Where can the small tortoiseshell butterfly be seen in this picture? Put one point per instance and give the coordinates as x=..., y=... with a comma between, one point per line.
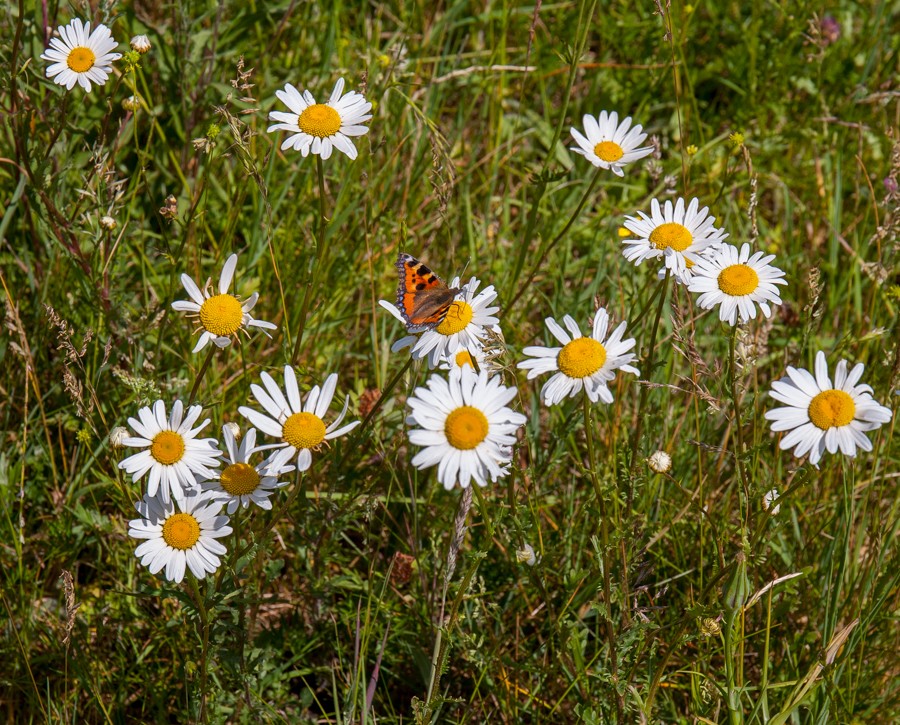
x=422, y=297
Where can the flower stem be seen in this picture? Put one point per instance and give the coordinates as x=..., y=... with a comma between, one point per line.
x=204, y=655
x=439, y=653
x=556, y=240
x=202, y=372
x=645, y=390
x=739, y=430
x=606, y=553
x=313, y=277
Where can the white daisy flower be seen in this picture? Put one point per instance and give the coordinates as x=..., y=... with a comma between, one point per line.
x=175, y=457
x=464, y=427
x=608, y=143
x=220, y=316
x=80, y=56
x=179, y=533
x=470, y=321
x=582, y=362
x=240, y=483
x=300, y=427
x=320, y=127
x=734, y=280
x=676, y=234
x=823, y=417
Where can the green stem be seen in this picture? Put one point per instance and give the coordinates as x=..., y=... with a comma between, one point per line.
x=204, y=656
x=735, y=716
x=583, y=23
x=739, y=430
x=606, y=557
x=313, y=277
x=556, y=240
x=202, y=372
x=645, y=390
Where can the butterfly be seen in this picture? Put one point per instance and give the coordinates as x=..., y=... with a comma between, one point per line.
x=422, y=297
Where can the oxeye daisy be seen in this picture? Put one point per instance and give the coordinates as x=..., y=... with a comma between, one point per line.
x=464, y=427
x=300, y=426
x=320, y=127
x=609, y=144
x=737, y=282
x=80, y=56
x=470, y=321
x=676, y=234
x=179, y=533
x=582, y=362
x=220, y=315
x=174, y=456
x=240, y=483
x=821, y=416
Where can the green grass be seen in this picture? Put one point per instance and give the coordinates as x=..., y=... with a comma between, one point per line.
x=638, y=608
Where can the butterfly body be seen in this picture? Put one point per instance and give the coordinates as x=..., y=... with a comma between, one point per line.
x=422, y=297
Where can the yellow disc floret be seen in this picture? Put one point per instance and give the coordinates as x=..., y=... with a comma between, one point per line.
x=464, y=358
x=239, y=479
x=738, y=280
x=303, y=430
x=582, y=357
x=832, y=409
x=221, y=315
x=458, y=316
x=608, y=151
x=319, y=120
x=181, y=531
x=81, y=59
x=465, y=428
x=167, y=447
x=671, y=235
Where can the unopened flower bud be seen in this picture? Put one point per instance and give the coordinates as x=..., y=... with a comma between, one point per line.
x=108, y=223
x=117, y=436
x=141, y=44
x=660, y=462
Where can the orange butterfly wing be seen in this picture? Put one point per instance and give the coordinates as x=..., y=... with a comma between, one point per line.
x=422, y=297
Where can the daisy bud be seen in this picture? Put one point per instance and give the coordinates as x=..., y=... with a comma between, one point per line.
x=117, y=436
x=526, y=555
x=132, y=103
x=108, y=223
x=660, y=462
x=767, y=501
x=141, y=44
x=710, y=627
x=235, y=430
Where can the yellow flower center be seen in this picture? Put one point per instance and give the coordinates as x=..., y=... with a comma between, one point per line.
x=671, y=234
x=608, y=151
x=181, y=531
x=831, y=409
x=81, y=59
x=582, y=357
x=738, y=280
x=319, y=120
x=221, y=315
x=303, y=430
x=458, y=316
x=465, y=428
x=464, y=358
x=239, y=479
x=167, y=447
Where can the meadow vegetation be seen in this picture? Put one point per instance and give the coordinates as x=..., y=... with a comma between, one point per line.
x=594, y=582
